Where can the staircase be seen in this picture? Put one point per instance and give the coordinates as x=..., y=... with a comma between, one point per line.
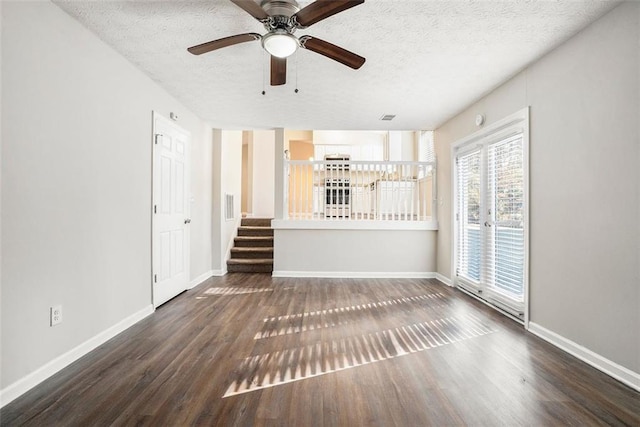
x=252, y=251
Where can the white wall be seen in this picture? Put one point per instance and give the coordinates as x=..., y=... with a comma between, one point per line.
x=263, y=205
x=354, y=253
x=297, y=135
x=231, y=184
x=227, y=179
x=76, y=188
x=401, y=145
x=202, y=204
x=348, y=137
x=1, y=197
x=1, y=356
x=584, y=200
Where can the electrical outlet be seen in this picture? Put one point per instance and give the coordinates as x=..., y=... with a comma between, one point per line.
x=56, y=315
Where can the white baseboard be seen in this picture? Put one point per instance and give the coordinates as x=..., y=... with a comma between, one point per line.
x=201, y=278
x=204, y=276
x=444, y=279
x=355, y=274
x=620, y=373
x=26, y=383
x=218, y=273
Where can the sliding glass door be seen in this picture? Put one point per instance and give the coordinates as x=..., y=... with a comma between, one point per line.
x=490, y=218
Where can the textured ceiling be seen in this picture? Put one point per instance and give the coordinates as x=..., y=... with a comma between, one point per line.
x=426, y=60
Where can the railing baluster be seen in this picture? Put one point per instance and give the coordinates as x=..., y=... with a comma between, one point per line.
x=414, y=183
x=393, y=191
x=303, y=184
x=304, y=169
x=370, y=179
x=425, y=212
x=419, y=193
x=394, y=184
x=405, y=192
x=308, y=187
x=298, y=188
x=358, y=192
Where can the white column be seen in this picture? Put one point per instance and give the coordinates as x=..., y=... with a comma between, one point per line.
x=279, y=178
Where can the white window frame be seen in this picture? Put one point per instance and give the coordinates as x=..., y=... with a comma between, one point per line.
x=517, y=122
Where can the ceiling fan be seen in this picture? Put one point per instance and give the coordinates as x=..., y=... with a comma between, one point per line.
x=281, y=18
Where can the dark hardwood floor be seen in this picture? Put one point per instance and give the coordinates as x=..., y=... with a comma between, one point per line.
x=251, y=350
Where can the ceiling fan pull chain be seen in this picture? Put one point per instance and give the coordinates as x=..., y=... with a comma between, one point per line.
x=296, y=91
x=264, y=92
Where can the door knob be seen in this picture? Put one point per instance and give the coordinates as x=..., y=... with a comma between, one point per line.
x=187, y=221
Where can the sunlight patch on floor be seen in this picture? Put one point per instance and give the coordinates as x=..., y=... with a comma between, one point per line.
x=324, y=357
x=235, y=291
x=312, y=320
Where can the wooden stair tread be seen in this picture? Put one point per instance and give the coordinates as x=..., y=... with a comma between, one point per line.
x=256, y=221
x=253, y=248
x=250, y=261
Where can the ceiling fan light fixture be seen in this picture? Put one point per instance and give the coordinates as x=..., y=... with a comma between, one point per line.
x=280, y=43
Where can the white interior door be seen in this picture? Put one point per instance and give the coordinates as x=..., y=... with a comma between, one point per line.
x=170, y=248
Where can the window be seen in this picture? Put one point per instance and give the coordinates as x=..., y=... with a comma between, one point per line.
x=426, y=151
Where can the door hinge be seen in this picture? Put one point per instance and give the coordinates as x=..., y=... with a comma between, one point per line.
x=457, y=217
x=155, y=278
x=157, y=137
x=155, y=208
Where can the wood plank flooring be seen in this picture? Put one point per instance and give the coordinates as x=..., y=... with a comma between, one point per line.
x=249, y=350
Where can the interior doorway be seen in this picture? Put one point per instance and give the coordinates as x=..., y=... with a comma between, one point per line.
x=170, y=209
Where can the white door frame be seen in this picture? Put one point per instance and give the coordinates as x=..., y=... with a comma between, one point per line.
x=519, y=119
x=187, y=206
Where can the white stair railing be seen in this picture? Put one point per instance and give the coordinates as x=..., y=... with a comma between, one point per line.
x=359, y=190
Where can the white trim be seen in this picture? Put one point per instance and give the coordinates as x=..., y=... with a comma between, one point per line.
x=201, y=278
x=489, y=304
x=495, y=127
x=351, y=224
x=31, y=380
x=218, y=273
x=497, y=130
x=614, y=370
x=444, y=279
x=155, y=117
x=355, y=274
x=231, y=241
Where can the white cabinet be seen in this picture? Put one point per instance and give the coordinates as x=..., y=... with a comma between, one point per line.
x=319, y=151
x=360, y=201
x=366, y=153
x=377, y=153
x=401, y=146
x=340, y=150
x=357, y=152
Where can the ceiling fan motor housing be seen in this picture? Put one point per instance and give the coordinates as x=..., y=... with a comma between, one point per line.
x=275, y=8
